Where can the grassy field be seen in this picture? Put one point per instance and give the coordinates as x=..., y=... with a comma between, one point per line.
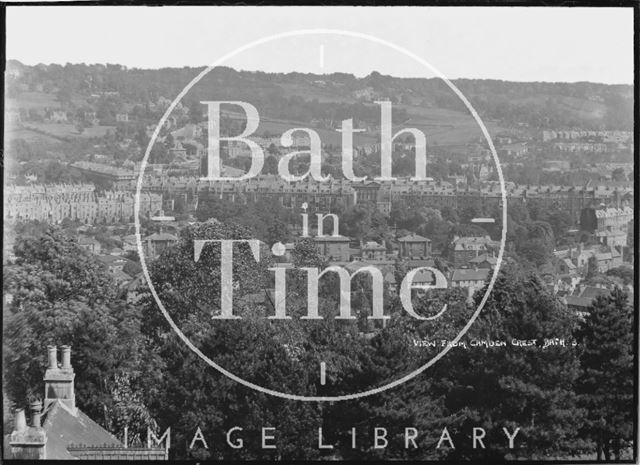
x=441, y=126
x=326, y=136
x=311, y=92
x=447, y=127
x=38, y=100
x=26, y=134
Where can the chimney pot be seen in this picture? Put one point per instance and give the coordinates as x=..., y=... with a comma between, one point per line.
x=21, y=421
x=36, y=413
x=53, y=357
x=66, y=357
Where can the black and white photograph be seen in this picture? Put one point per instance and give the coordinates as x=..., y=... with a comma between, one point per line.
x=320, y=233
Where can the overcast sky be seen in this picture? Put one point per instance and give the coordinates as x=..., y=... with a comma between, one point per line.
x=519, y=44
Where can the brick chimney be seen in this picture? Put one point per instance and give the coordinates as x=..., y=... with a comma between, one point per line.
x=28, y=442
x=58, y=379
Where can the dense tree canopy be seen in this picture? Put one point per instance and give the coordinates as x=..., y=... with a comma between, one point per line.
x=605, y=386
x=60, y=294
x=567, y=398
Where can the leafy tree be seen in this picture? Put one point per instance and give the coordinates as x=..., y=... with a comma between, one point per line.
x=168, y=141
x=132, y=268
x=159, y=153
x=527, y=387
x=273, y=150
x=618, y=175
x=450, y=214
x=268, y=220
x=468, y=213
x=623, y=272
x=606, y=386
x=414, y=403
x=270, y=165
x=196, y=110
x=186, y=393
x=365, y=222
x=60, y=294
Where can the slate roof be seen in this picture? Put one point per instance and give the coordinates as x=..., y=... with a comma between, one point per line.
x=470, y=275
x=586, y=296
x=373, y=246
x=64, y=428
x=593, y=292
x=472, y=243
x=413, y=237
x=484, y=258
x=577, y=301
x=161, y=237
x=418, y=262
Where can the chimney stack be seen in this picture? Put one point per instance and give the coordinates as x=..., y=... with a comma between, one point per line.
x=58, y=381
x=28, y=443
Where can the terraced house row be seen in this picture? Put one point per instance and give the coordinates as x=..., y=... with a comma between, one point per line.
x=78, y=202
x=84, y=203
x=438, y=194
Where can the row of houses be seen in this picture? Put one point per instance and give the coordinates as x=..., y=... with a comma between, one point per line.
x=54, y=203
x=438, y=194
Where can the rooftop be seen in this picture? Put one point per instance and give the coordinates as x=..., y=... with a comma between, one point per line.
x=484, y=258
x=413, y=237
x=161, y=237
x=470, y=275
x=331, y=239
x=63, y=428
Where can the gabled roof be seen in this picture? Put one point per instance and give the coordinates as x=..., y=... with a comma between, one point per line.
x=371, y=245
x=592, y=292
x=484, y=258
x=121, y=275
x=64, y=428
x=413, y=237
